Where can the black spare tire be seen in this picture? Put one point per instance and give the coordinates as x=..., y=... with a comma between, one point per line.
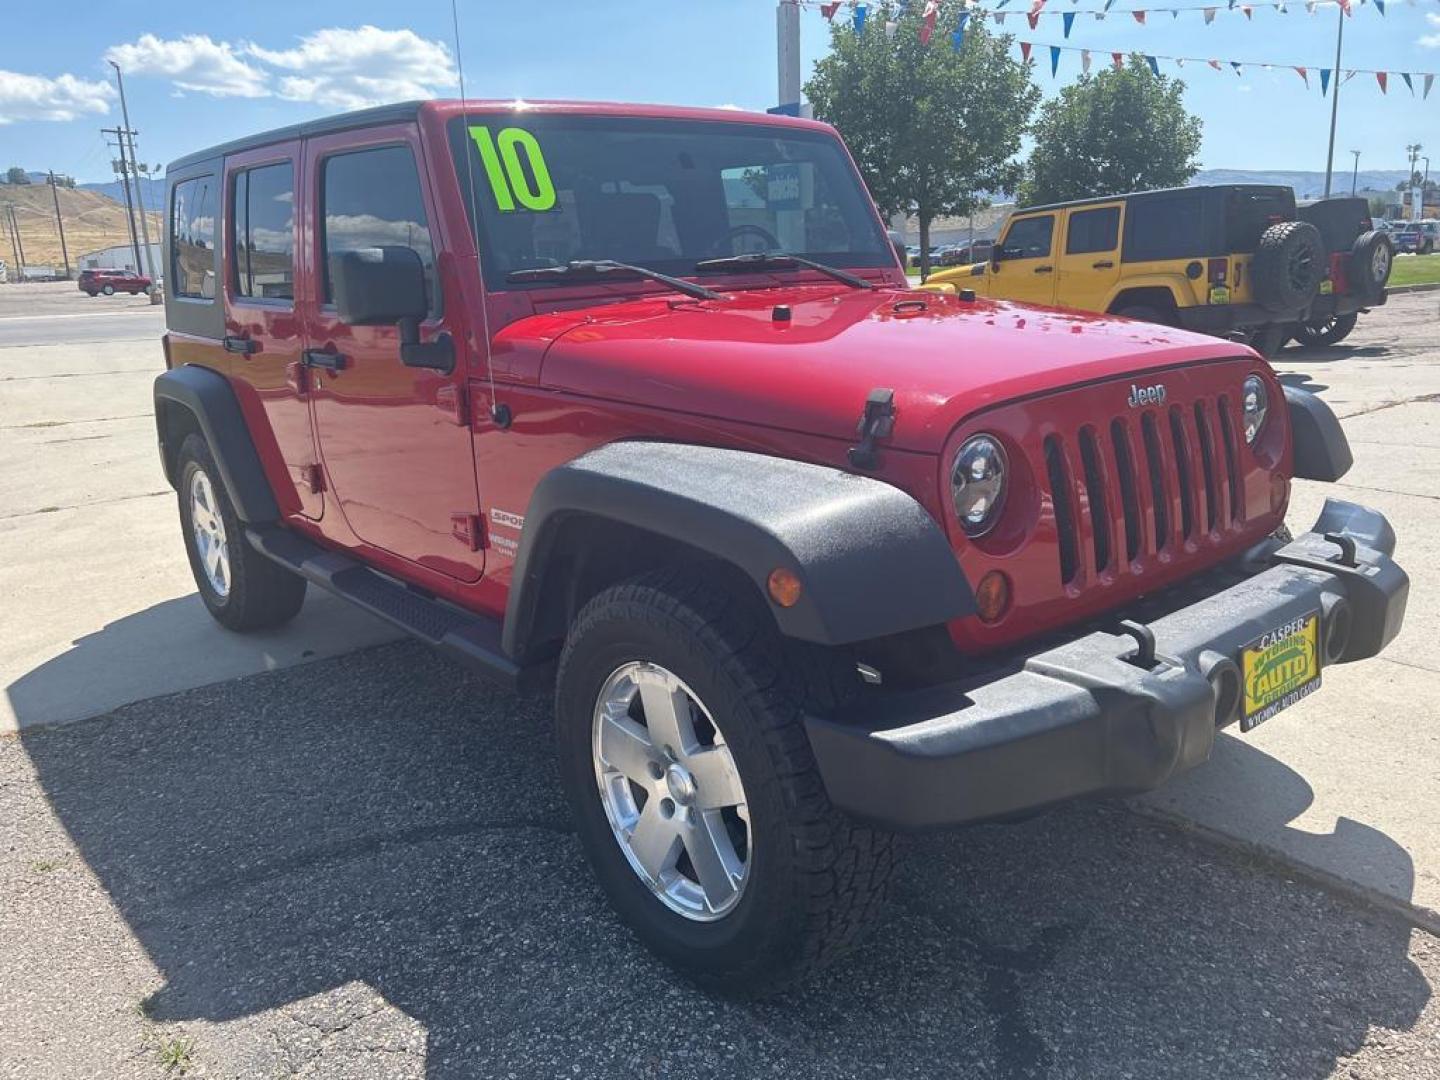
x=1288, y=266
x=1371, y=260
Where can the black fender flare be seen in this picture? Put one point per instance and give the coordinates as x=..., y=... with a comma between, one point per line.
x=871, y=561
x=1321, y=450
x=209, y=398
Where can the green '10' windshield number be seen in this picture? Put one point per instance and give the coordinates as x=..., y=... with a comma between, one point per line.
x=500, y=155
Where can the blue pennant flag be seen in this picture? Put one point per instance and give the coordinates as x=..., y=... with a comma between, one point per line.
x=1154, y=64
x=1406, y=76
x=1324, y=81
x=957, y=39
x=859, y=18
x=1001, y=4
x=1108, y=3
x=1054, y=60
x=1380, y=6
x=1069, y=20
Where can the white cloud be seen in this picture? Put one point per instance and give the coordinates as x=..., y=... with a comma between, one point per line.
x=1431, y=41
x=194, y=62
x=351, y=68
x=36, y=97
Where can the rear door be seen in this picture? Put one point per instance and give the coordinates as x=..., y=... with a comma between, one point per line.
x=263, y=329
x=1026, y=270
x=395, y=440
x=1088, y=265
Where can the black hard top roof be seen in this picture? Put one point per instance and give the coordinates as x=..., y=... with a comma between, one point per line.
x=325, y=125
x=1250, y=188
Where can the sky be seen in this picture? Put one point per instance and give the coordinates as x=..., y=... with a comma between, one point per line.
x=197, y=73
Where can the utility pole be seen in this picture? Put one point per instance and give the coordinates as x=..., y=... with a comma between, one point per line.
x=122, y=170
x=1355, y=176
x=1416, y=196
x=60, y=223
x=787, y=52
x=145, y=267
x=1335, y=97
x=16, y=242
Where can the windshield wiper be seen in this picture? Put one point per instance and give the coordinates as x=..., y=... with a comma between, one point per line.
x=599, y=268
x=779, y=260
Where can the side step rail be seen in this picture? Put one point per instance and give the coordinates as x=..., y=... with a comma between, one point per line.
x=472, y=639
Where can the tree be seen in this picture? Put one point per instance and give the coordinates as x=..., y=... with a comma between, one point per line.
x=932, y=128
x=1120, y=130
x=16, y=175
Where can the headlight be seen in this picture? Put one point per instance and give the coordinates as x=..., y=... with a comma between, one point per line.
x=1255, y=402
x=977, y=483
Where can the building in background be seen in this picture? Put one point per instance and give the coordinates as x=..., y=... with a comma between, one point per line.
x=119, y=257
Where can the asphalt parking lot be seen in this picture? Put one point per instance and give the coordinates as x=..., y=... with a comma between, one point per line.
x=354, y=860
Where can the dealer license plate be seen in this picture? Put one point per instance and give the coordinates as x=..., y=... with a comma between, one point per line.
x=1279, y=669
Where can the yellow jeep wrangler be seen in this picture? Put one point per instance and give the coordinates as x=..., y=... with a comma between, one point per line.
x=1226, y=260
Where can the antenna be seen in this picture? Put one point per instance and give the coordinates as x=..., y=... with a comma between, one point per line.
x=498, y=413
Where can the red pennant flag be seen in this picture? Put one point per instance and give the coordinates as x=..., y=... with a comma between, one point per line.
x=1345, y=6
x=1037, y=7
x=1118, y=59
x=1247, y=9
x=1305, y=75
x=1034, y=19
x=1139, y=17
x=1025, y=50
x=1214, y=63
x=927, y=25
x=1382, y=79
x=828, y=10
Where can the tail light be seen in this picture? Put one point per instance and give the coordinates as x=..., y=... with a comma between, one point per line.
x=1218, y=269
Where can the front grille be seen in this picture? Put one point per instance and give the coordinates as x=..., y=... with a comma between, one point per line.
x=1152, y=481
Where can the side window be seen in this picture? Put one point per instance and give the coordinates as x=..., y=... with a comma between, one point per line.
x=1093, y=230
x=262, y=233
x=192, y=238
x=371, y=198
x=1029, y=238
x=1165, y=227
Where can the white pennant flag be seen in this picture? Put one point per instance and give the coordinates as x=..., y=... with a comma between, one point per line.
x=1309, y=7
x=1085, y=61
x=1179, y=61
x=1209, y=15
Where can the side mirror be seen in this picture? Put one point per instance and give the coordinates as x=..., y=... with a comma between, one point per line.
x=997, y=253
x=378, y=286
x=383, y=286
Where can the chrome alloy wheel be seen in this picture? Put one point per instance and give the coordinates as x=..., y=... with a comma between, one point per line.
x=1380, y=263
x=208, y=528
x=671, y=791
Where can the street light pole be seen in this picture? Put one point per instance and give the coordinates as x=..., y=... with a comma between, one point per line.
x=1416, y=197
x=146, y=266
x=1334, y=98
x=1355, y=176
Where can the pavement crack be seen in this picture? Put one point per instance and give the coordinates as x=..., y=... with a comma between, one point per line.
x=1417, y=400
x=87, y=503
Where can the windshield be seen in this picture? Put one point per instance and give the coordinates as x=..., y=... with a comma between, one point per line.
x=663, y=194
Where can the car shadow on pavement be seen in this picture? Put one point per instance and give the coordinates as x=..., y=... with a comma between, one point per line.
x=385, y=819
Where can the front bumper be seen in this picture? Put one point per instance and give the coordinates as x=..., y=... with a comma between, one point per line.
x=1089, y=717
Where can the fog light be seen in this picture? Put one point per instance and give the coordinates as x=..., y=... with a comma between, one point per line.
x=784, y=586
x=992, y=597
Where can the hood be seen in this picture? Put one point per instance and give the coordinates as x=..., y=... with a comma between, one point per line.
x=944, y=357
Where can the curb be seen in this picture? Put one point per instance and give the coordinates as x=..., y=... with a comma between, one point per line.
x=1429, y=286
x=1417, y=915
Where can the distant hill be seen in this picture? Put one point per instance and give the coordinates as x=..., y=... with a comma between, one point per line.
x=152, y=192
x=1306, y=184
x=92, y=221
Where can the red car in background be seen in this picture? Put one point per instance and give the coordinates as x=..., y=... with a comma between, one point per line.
x=109, y=282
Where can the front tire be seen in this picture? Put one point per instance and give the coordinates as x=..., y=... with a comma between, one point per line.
x=108, y=290
x=698, y=801
x=241, y=588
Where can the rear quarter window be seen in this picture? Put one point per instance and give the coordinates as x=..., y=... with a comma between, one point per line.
x=192, y=238
x=1165, y=227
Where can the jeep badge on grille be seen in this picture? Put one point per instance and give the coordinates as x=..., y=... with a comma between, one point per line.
x=1146, y=395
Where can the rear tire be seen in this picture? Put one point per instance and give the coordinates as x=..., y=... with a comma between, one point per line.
x=108, y=290
x=1324, y=332
x=809, y=879
x=1288, y=265
x=241, y=588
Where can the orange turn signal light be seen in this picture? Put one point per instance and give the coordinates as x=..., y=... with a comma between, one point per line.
x=784, y=586
x=992, y=597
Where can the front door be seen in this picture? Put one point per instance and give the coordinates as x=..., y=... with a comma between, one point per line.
x=394, y=440
x=1089, y=262
x=264, y=333
x=1026, y=270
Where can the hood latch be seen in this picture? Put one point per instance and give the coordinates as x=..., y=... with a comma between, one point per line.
x=876, y=422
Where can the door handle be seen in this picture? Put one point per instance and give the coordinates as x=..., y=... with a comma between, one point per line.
x=243, y=345
x=330, y=361
x=1103, y=264
x=1044, y=269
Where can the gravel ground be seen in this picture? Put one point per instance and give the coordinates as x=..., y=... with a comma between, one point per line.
x=365, y=868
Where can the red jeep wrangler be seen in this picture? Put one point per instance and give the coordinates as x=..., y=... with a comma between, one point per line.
x=635, y=401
